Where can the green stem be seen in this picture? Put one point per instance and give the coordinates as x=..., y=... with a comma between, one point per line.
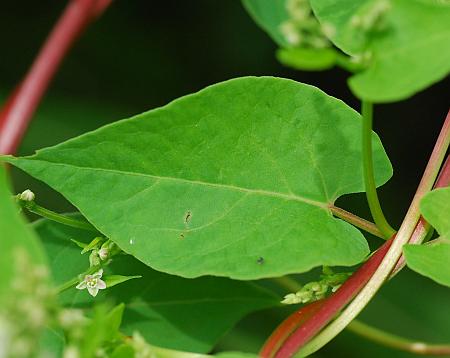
x=68, y=284
x=397, y=342
x=347, y=64
x=356, y=221
x=62, y=219
x=287, y=283
x=369, y=178
x=72, y=282
x=395, y=251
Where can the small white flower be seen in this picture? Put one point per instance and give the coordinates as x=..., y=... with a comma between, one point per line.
x=93, y=283
x=103, y=253
x=27, y=195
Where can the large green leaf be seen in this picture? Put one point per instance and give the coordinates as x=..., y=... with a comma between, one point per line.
x=168, y=311
x=16, y=241
x=409, y=52
x=234, y=180
x=432, y=260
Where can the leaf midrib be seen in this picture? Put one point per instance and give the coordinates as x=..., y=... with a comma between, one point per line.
x=319, y=204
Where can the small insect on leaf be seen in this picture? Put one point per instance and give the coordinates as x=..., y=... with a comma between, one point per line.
x=187, y=217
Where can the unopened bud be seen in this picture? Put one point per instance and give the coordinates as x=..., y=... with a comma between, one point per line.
x=27, y=195
x=103, y=253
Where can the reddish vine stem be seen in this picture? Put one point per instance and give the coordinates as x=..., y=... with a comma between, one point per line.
x=328, y=308
x=422, y=227
x=20, y=106
x=334, y=304
x=280, y=334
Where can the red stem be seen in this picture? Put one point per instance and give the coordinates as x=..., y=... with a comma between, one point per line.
x=334, y=303
x=330, y=307
x=280, y=334
x=442, y=181
x=20, y=106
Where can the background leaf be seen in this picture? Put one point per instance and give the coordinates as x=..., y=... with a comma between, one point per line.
x=234, y=180
x=432, y=260
x=410, y=52
x=15, y=239
x=269, y=15
x=168, y=311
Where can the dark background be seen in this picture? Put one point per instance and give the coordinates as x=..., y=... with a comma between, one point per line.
x=142, y=54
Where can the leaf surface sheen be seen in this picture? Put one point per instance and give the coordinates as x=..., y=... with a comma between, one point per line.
x=432, y=260
x=234, y=180
x=409, y=54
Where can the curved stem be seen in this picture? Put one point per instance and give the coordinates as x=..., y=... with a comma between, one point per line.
x=72, y=282
x=395, y=251
x=369, y=178
x=356, y=221
x=346, y=63
x=287, y=283
x=397, y=342
x=333, y=304
x=20, y=106
x=62, y=219
x=423, y=228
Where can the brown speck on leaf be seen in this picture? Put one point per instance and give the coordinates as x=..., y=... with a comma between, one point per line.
x=181, y=236
x=260, y=260
x=187, y=217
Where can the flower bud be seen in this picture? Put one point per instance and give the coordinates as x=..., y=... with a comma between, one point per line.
x=27, y=195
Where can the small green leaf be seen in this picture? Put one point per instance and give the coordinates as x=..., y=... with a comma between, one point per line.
x=168, y=311
x=307, y=59
x=95, y=243
x=235, y=180
x=432, y=260
x=113, y=322
x=123, y=351
x=113, y=280
x=409, y=51
x=80, y=244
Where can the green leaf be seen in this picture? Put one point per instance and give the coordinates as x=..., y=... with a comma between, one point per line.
x=16, y=240
x=435, y=207
x=432, y=260
x=52, y=342
x=93, y=244
x=269, y=15
x=102, y=328
x=307, y=59
x=113, y=322
x=408, y=53
x=168, y=311
x=234, y=180
x=113, y=280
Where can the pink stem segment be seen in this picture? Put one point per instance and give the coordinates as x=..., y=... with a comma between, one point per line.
x=20, y=106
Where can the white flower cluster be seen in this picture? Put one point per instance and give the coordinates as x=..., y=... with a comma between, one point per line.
x=26, y=315
x=372, y=17
x=302, y=29
x=316, y=290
